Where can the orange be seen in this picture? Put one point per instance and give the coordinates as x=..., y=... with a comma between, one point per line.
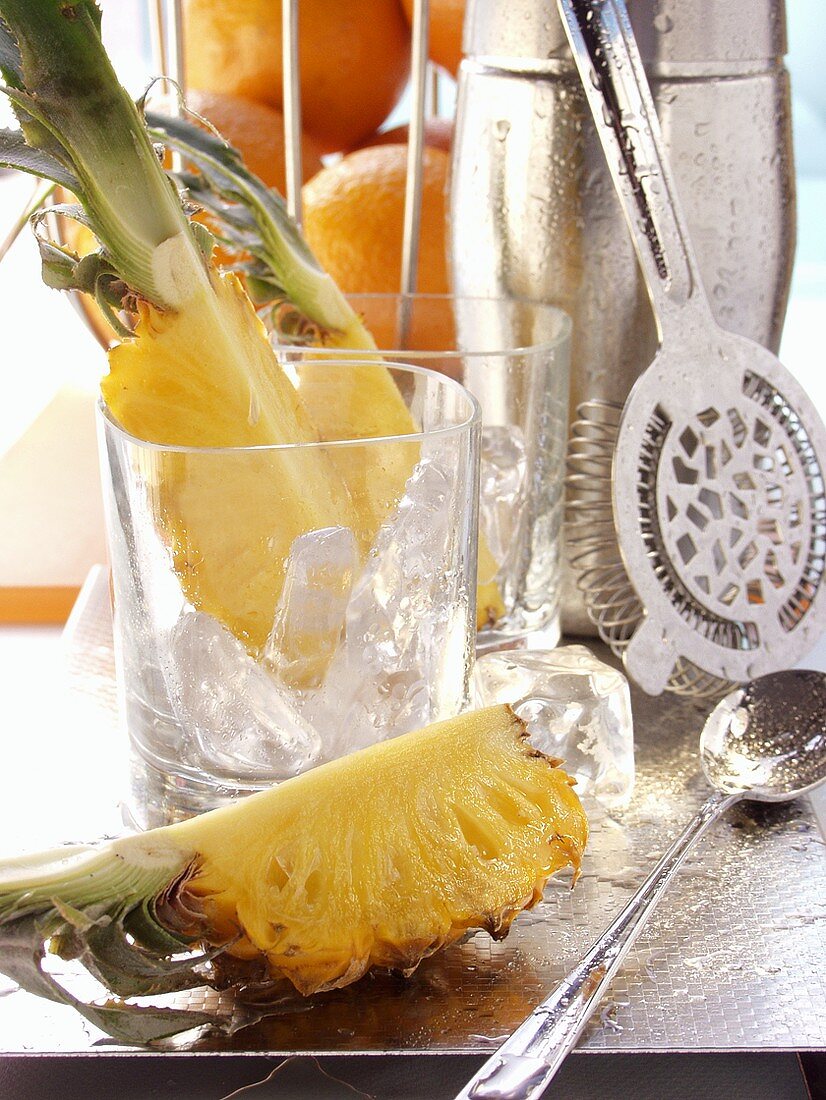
x=446, y=19
x=438, y=134
x=354, y=216
x=257, y=132
x=354, y=59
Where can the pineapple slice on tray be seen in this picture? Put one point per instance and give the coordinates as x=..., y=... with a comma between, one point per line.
x=377, y=859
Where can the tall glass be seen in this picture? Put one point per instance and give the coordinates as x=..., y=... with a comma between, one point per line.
x=279, y=606
x=514, y=357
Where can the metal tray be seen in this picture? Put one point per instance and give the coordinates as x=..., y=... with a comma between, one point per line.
x=733, y=959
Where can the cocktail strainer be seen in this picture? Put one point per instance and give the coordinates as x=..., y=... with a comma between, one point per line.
x=716, y=483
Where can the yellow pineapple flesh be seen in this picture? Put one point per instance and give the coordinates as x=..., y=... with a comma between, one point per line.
x=387, y=855
x=361, y=400
x=206, y=377
x=231, y=517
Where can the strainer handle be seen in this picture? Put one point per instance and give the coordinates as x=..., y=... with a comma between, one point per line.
x=617, y=91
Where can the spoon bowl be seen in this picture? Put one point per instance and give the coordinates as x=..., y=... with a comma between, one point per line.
x=767, y=739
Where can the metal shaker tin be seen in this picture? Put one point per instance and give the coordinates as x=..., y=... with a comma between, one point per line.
x=533, y=210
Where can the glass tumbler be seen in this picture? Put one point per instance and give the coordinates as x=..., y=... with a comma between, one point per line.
x=514, y=357
x=279, y=606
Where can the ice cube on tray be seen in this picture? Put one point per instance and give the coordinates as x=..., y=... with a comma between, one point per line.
x=576, y=707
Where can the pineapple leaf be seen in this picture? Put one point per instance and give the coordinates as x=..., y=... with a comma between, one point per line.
x=204, y=239
x=109, y=955
x=105, y=297
x=58, y=266
x=247, y=208
x=94, y=274
x=36, y=127
x=226, y=173
x=22, y=947
x=11, y=63
x=37, y=161
x=73, y=110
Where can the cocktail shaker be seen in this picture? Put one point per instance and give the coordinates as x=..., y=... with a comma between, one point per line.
x=533, y=212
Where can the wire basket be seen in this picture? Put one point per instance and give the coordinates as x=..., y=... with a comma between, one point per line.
x=167, y=35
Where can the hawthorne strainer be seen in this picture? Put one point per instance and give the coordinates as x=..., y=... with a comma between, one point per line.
x=715, y=491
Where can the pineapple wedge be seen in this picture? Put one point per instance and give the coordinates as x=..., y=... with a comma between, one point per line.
x=342, y=403
x=187, y=381
x=362, y=401
x=374, y=860
x=384, y=856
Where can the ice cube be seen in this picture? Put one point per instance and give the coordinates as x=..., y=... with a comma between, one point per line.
x=502, y=487
x=234, y=711
x=309, y=620
x=576, y=707
x=400, y=664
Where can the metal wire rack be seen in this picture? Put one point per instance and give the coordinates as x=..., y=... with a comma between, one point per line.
x=167, y=29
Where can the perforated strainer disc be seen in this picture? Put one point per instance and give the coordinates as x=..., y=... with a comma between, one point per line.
x=717, y=484
x=720, y=511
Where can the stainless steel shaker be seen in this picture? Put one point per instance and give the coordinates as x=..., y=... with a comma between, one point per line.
x=533, y=210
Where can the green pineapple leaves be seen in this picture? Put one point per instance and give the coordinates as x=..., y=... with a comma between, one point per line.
x=252, y=218
x=22, y=949
x=79, y=127
x=15, y=153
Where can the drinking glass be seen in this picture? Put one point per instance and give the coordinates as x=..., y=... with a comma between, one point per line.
x=257, y=634
x=514, y=357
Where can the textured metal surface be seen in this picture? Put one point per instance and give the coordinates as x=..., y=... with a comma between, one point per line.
x=733, y=959
x=533, y=212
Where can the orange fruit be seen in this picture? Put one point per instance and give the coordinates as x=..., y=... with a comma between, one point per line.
x=430, y=322
x=446, y=20
x=354, y=59
x=257, y=132
x=438, y=134
x=354, y=216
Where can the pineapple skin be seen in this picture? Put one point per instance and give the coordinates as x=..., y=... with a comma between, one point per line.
x=361, y=863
